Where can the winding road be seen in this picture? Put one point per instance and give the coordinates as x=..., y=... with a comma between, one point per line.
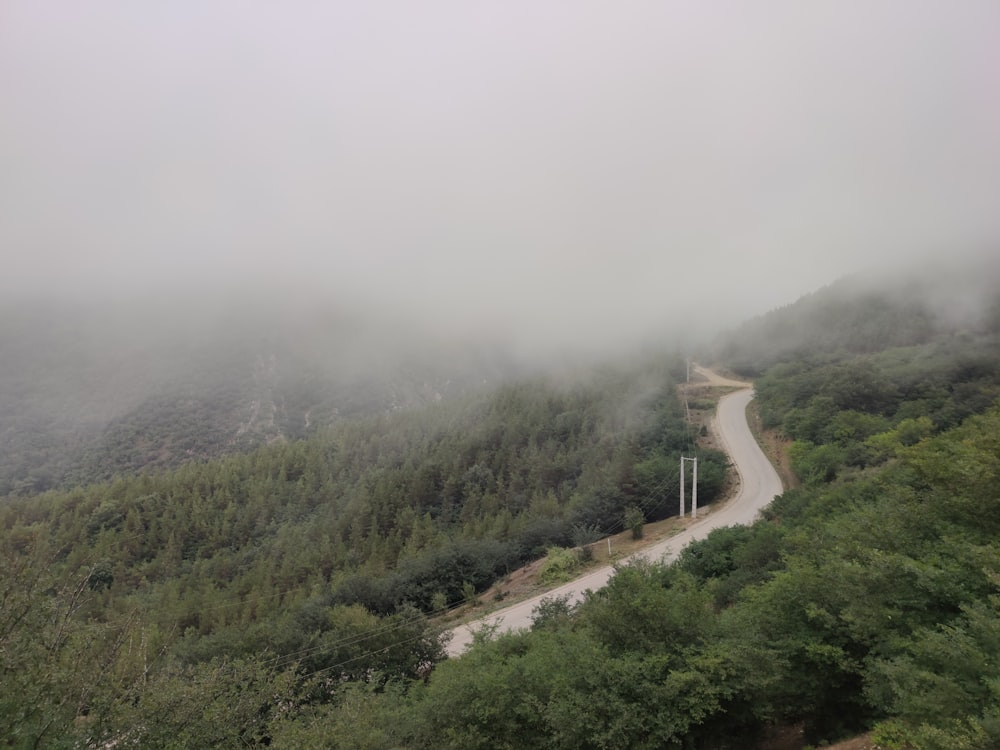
x=759, y=483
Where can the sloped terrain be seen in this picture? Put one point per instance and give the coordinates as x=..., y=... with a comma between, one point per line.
x=88, y=392
x=862, y=314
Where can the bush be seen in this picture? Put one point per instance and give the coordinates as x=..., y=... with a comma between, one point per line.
x=635, y=520
x=551, y=612
x=559, y=566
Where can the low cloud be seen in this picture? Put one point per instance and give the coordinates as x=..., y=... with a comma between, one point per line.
x=573, y=173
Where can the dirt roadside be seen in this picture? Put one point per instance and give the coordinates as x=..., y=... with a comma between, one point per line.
x=790, y=738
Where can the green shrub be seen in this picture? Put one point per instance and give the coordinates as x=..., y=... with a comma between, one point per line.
x=559, y=565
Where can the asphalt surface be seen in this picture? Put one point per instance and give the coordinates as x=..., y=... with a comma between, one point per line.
x=759, y=484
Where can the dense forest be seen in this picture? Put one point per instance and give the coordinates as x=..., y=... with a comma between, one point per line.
x=290, y=596
x=866, y=599
x=295, y=554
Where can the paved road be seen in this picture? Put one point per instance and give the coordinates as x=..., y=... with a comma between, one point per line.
x=759, y=483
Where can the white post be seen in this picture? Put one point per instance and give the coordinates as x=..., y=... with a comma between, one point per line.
x=694, y=487
x=694, y=490
x=682, y=487
x=609, y=547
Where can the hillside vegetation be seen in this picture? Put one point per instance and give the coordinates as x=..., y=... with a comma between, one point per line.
x=282, y=597
x=300, y=554
x=866, y=599
x=91, y=391
x=866, y=314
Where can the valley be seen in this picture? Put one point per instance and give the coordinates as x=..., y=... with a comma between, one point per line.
x=297, y=591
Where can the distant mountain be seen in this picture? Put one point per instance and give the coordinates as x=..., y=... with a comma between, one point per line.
x=862, y=314
x=89, y=391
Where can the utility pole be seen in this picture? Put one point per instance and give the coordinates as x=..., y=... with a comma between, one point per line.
x=682, y=488
x=694, y=486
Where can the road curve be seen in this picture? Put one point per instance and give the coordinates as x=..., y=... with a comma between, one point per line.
x=759, y=483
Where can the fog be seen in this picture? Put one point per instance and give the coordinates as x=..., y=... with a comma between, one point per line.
x=573, y=172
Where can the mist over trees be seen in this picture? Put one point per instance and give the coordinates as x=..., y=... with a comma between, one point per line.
x=92, y=390
x=318, y=318
x=908, y=305
x=287, y=594
x=293, y=556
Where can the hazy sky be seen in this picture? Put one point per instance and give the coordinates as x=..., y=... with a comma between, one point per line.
x=570, y=168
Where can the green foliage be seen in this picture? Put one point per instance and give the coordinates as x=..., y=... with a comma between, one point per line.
x=634, y=521
x=852, y=602
x=944, y=688
x=552, y=612
x=861, y=315
x=734, y=557
x=361, y=719
x=889, y=444
x=584, y=535
x=889, y=735
x=647, y=609
x=55, y=666
x=522, y=690
x=222, y=704
x=277, y=597
x=583, y=538
x=558, y=566
x=455, y=570
x=816, y=464
x=860, y=411
x=300, y=569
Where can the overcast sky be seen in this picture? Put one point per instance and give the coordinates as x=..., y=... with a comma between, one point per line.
x=571, y=168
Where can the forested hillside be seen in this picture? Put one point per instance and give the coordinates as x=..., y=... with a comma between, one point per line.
x=285, y=597
x=865, y=314
x=867, y=599
x=871, y=601
x=298, y=554
x=89, y=391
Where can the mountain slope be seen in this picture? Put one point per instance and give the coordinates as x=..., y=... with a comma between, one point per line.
x=863, y=314
x=87, y=392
